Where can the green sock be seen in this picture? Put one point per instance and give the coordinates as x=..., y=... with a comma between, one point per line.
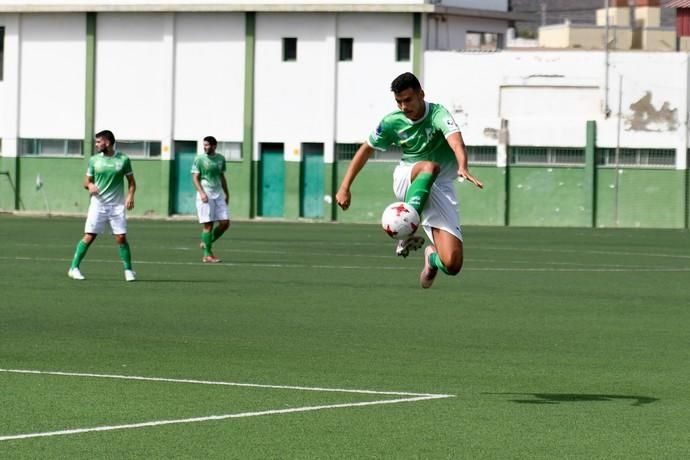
x=126, y=256
x=79, y=253
x=419, y=191
x=207, y=238
x=435, y=261
x=217, y=233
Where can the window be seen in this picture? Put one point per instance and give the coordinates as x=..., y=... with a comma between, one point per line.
x=481, y=154
x=483, y=41
x=146, y=149
x=56, y=147
x=289, y=49
x=2, y=50
x=345, y=49
x=627, y=157
x=547, y=156
x=402, y=49
x=344, y=152
x=232, y=151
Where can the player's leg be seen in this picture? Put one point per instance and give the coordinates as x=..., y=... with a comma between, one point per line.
x=118, y=225
x=207, y=239
x=449, y=253
x=125, y=256
x=205, y=214
x=82, y=247
x=402, y=178
x=96, y=218
x=422, y=177
x=446, y=254
x=442, y=226
x=222, y=216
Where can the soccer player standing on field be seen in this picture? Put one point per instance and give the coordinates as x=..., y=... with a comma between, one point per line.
x=208, y=176
x=105, y=182
x=433, y=157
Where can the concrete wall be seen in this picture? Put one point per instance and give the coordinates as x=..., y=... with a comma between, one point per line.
x=52, y=45
x=209, y=76
x=180, y=76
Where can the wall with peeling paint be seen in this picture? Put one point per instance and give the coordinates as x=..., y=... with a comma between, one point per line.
x=545, y=99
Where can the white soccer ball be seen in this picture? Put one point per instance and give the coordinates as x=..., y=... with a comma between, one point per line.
x=399, y=220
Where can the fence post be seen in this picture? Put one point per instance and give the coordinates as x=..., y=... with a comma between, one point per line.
x=590, y=181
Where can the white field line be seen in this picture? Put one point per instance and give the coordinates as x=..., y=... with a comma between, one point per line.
x=216, y=417
x=408, y=397
x=586, y=269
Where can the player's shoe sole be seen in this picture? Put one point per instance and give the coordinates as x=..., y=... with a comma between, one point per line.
x=75, y=274
x=410, y=244
x=426, y=278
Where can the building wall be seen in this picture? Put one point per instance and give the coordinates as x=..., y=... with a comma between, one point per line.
x=363, y=84
x=209, y=76
x=180, y=76
x=52, y=107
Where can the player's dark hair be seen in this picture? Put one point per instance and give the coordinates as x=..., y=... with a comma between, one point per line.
x=106, y=134
x=405, y=81
x=211, y=140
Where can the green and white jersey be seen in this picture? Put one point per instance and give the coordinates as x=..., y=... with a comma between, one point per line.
x=424, y=139
x=108, y=174
x=210, y=169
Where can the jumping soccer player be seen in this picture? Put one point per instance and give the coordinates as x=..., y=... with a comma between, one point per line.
x=433, y=157
x=104, y=181
x=208, y=176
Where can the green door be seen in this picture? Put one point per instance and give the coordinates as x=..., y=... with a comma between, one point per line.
x=184, y=192
x=272, y=176
x=312, y=181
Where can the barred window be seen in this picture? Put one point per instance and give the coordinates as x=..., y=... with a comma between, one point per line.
x=345, y=152
x=143, y=149
x=51, y=147
x=643, y=158
x=547, y=156
x=481, y=154
x=232, y=151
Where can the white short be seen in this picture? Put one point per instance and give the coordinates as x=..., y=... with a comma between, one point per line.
x=99, y=214
x=214, y=210
x=441, y=209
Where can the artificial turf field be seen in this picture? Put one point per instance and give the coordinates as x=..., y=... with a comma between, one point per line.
x=552, y=343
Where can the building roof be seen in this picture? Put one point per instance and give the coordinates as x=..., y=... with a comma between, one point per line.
x=273, y=6
x=678, y=4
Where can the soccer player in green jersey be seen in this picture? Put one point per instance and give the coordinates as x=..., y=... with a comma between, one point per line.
x=105, y=182
x=433, y=157
x=208, y=176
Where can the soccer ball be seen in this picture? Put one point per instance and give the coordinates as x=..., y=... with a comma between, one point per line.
x=399, y=220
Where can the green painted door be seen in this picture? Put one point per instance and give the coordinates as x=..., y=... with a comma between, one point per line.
x=272, y=187
x=184, y=193
x=312, y=181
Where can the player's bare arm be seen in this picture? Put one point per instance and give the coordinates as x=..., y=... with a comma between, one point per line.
x=90, y=185
x=224, y=184
x=343, y=196
x=131, y=188
x=199, y=188
x=458, y=145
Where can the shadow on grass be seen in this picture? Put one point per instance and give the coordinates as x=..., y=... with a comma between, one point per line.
x=558, y=398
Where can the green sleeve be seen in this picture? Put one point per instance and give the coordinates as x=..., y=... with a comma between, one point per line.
x=444, y=121
x=381, y=137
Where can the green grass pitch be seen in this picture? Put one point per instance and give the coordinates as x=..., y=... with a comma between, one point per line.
x=552, y=343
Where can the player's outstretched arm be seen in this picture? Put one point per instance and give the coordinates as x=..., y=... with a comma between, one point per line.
x=458, y=145
x=343, y=196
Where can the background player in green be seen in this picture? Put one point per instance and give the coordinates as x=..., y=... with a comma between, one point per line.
x=433, y=157
x=208, y=176
x=105, y=182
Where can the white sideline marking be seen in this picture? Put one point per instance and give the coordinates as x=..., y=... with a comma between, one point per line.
x=410, y=397
x=594, y=268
